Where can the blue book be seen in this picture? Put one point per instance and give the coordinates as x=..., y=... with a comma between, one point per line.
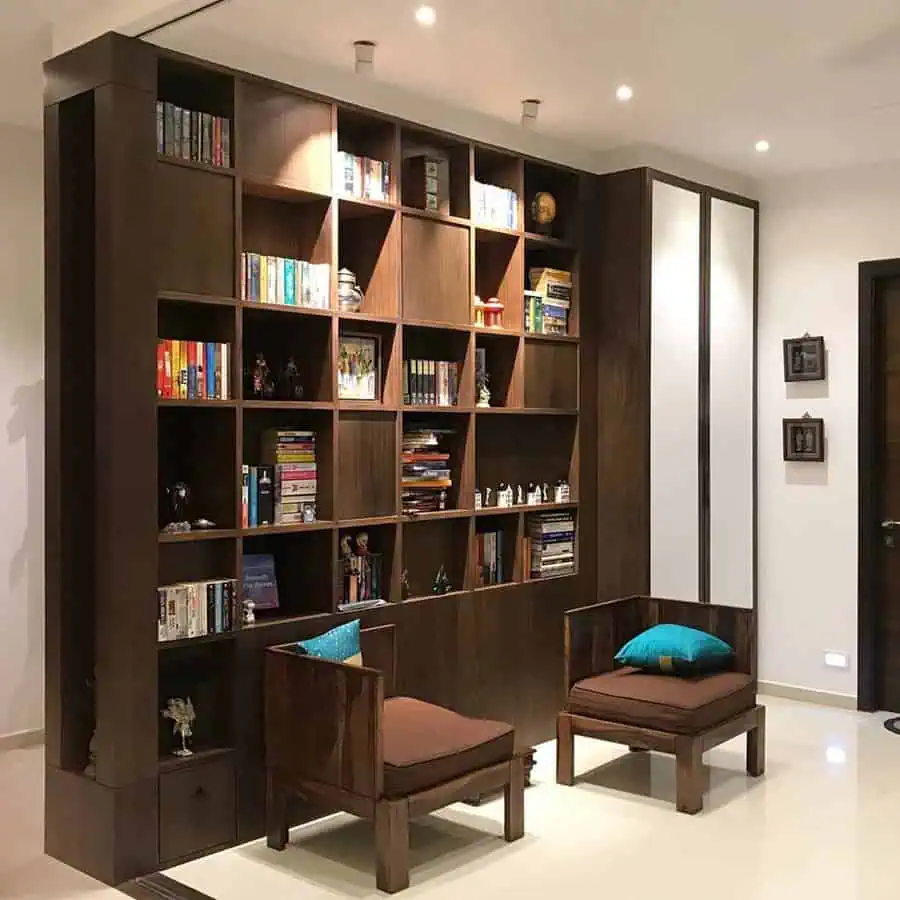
x=210, y=370
x=290, y=282
x=220, y=610
x=260, y=582
x=254, y=498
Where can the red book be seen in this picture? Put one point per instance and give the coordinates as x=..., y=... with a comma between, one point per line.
x=160, y=368
x=217, y=141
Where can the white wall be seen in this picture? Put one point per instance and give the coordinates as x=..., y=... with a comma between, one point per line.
x=814, y=232
x=21, y=430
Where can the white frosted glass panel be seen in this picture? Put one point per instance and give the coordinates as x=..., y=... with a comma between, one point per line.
x=731, y=329
x=674, y=381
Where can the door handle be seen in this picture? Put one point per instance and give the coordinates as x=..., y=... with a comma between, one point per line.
x=890, y=524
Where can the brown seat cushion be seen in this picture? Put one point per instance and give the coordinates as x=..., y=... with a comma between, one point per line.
x=426, y=745
x=679, y=704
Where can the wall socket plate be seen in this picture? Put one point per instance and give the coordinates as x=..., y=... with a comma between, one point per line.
x=837, y=659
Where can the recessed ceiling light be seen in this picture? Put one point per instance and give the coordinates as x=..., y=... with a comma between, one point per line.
x=762, y=146
x=624, y=93
x=425, y=15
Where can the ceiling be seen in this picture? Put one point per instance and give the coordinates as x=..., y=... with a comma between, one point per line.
x=820, y=79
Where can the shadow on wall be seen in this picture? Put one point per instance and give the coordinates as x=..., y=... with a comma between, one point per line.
x=26, y=571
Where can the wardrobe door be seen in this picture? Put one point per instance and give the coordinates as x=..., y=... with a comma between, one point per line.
x=732, y=326
x=674, y=393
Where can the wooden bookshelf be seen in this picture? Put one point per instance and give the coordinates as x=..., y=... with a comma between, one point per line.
x=182, y=227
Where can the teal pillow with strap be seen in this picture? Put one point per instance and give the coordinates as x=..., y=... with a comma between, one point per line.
x=341, y=644
x=676, y=649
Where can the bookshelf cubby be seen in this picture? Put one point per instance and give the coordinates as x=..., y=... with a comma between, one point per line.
x=173, y=236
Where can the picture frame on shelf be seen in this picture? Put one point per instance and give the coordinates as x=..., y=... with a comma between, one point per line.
x=358, y=367
x=804, y=359
x=804, y=439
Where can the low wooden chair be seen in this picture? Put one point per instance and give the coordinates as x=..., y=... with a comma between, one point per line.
x=337, y=737
x=684, y=716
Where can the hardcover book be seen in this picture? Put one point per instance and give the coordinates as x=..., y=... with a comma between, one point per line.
x=260, y=581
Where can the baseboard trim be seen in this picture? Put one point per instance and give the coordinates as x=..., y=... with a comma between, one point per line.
x=19, y=740
x=808, y=695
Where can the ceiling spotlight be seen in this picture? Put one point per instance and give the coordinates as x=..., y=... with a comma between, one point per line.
x=624, y=93
x=363, y=57
x=762, y=146
x=426, y=16
x=530, y=111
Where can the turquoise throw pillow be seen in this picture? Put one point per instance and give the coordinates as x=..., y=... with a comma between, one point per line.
x=341, y=644
x=675, y=648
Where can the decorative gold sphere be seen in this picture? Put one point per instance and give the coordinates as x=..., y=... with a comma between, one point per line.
x=543, y=208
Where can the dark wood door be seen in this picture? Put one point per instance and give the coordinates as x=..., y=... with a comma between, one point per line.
x=887, y=644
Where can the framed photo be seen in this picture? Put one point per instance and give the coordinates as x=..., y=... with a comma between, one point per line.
x=804, y=440
x=804, y=359
x=357, y=367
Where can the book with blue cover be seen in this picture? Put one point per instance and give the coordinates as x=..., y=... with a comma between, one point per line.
x=260, y=581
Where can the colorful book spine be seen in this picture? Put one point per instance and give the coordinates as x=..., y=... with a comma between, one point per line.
x=285, y=282
x=192, y=370
x=192, y=135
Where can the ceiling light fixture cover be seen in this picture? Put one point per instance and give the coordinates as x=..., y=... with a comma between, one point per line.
x=364, y=57
x=762, y=146
x=624, y=93
x=425, y=15
x=530, y=110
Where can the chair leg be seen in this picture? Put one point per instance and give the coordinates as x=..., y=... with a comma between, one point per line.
x=689, y=777
x=392, y=845
x=276, y=813
x=565, y=750
x=514, y=800
x=756, y=745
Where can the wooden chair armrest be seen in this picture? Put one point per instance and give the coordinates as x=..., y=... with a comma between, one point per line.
x=323, y=722
x=593, y=635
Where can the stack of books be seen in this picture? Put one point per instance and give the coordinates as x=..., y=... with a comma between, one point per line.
x=425, y=477
x=192, y=370
x=362, y=585
x=196, y=136
x=283, y=491
x=548, y=302
x=490, y=557
x=196, y=609
x=285, y=282
x=495, y=206
x=358, y=176
x=551, y=544
x=429, y=382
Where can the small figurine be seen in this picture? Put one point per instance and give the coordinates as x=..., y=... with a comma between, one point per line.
x=179, y=495
x=263, y=388
x=404, y=584
x=350, y=296
x=493, y=313
x=442, y=501
x=249, y=608
x=482, y=379
x=533, y=495
x=520, y=495
x=181, y=712
x=362, y=543
x=545, y=493
x=487, y=497
x=309, y=513
x=478, y=500
x=346, y=551
x=478, y=311
x=289, y=387
x=203, y=524
x=504, y=495
x=561, y=492
x=441, y=583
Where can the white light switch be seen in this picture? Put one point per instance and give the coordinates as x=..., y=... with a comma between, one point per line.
x=834, y=659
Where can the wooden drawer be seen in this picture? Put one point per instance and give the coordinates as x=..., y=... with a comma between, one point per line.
x=196, y=808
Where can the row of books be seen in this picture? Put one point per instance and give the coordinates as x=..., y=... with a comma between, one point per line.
x=489, y=547
x=195, y=609
x=425, y=471
x=548, y=302
x=497, y=206
x=189, y=134
x=551, y=545
x=362, y=581
x=429, y=382
x=359, y=176
x=285, y=282
x=192, y=370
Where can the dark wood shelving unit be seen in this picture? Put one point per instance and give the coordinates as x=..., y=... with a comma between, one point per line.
x=171, y=236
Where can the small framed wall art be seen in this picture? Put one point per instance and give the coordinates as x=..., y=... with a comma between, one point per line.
x=804, y=359
x=804, y=439
x=358, y=360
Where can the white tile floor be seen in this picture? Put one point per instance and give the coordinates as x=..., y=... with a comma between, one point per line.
x=824, y=823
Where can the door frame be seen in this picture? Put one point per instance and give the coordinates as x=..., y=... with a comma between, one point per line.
x=869, y=467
